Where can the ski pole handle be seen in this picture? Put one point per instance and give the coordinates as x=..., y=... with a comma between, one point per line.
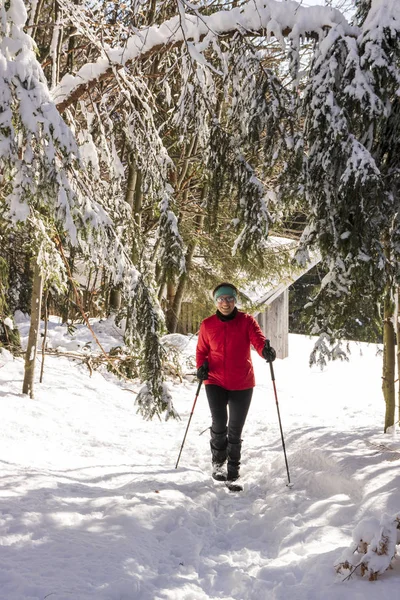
x=271, y=368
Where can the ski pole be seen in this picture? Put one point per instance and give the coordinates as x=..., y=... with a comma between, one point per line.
x=289, y=484
x=190, y=418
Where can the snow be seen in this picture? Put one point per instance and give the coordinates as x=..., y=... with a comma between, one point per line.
x=17, y=12
x=92, y=507
x=382, y=13
x=7, y=321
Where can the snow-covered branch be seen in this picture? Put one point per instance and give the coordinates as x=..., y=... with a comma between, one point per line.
x=373, y=548
x=267, y=17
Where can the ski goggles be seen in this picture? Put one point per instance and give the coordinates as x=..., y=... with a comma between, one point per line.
x=222, y=299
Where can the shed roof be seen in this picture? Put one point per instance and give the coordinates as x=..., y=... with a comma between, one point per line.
x=265, y=294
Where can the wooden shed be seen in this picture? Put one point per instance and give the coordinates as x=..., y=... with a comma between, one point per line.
x=274, y=321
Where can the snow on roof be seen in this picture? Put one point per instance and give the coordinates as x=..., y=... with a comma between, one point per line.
x=266, y=293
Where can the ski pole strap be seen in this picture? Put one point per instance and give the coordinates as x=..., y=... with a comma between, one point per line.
x=207, y=429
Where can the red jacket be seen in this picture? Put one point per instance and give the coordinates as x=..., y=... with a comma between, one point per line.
x=226, y=346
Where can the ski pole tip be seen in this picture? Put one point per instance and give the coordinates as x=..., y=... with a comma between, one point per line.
x=290, y=485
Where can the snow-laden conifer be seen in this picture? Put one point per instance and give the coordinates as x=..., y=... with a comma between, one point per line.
x=39, y=156
x=170, y=250
x=143, y=335
x=44, y=185
x=350, y=107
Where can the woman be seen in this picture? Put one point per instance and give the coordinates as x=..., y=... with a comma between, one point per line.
x=224, y=363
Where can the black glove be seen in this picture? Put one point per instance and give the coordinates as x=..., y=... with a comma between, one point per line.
x=202, y=372
x=268, y=352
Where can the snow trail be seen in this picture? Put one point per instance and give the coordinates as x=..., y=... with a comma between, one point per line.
x=92, y=507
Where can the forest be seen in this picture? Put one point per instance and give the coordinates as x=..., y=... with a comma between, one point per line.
x=152, y=148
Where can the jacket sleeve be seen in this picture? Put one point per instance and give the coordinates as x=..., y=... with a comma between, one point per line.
x=202, y=348
x=257, y=338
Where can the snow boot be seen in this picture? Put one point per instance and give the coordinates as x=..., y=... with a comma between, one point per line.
x=234, y=486
x=234, y=452
x=219, y=471
x=218, y=445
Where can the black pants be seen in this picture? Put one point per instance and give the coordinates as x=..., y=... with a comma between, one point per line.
x=237, y=402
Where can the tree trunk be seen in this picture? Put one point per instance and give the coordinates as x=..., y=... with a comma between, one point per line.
x=31, y=350
x=46, y=324
x=67, y=310
x=137, y=208
x=170, y=318
x=152, y=12
x=398, y=352
x=34, y=18
x=115, y=300
x=388, y=371
x=131, y=195
x=56, y=44
x=174, y=311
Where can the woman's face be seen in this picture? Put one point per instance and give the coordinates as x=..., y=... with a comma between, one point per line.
x=225, y=304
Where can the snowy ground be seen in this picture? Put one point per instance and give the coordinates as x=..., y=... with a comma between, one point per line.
x=92, y=507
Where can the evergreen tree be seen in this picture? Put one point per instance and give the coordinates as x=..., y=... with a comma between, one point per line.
x=154, y=397
x=9, y=336
x=44, y=187
x=352, y=178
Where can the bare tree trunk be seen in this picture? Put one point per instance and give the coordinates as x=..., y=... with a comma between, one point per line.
x=71, y=50
x=388, y=371
x=46, y=322
x=115, y=300
x=131, y=181
x=174, y=311
x=134, y=197
x=66, y=311
x=190, y=151
x=174, y=304
x=398, y=351
x=31, y=350
x=34, y=17
x=169, y=316
x=138, y=205
x=152, y=12
x=56, y=45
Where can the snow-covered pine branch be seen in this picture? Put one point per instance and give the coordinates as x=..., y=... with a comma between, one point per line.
x=36, y=146
x=207, y=78
x=170, y=247
x=269, y=17
x=254, y=154
x=209, y=70
x=142, y=334
x=42, y=170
